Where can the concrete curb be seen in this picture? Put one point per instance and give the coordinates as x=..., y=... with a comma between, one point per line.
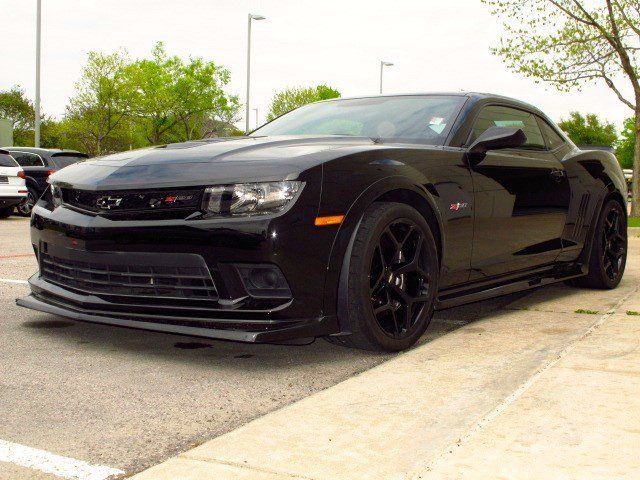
x=633, y=231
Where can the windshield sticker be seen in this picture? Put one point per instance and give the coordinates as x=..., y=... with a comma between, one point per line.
x=509, y=123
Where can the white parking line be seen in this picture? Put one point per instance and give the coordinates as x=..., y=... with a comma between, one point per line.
x=55, y=464
x=9, y=280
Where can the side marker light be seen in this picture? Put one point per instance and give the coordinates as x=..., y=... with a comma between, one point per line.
x=329, y=220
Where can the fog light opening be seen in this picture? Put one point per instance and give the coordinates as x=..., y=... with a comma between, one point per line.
x=263, y=281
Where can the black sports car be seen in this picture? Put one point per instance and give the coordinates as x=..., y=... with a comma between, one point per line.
x=349, y=219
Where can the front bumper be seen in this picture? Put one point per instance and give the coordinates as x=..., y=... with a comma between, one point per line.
x=49, y=298
x=78, y=253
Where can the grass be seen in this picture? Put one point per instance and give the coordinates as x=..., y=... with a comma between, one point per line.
x=634, y=221
x=632, y=312
x=588, y=312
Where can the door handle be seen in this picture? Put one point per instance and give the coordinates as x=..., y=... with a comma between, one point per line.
x=557, y=174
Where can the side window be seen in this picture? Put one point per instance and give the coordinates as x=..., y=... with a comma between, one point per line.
x=7, y=161
x=25, y=159
x=550, y=135
x=496, y=116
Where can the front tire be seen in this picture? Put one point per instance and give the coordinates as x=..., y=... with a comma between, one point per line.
x=393, y=279
x=609, y=251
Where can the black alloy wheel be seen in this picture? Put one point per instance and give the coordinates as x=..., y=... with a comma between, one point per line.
x=399, y=282
x=392, y=279
x=614, y=243
x=609, y=250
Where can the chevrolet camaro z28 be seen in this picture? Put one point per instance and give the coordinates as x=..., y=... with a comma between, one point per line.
x=349, y=219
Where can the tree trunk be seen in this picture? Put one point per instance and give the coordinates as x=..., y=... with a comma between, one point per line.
x=635, y=185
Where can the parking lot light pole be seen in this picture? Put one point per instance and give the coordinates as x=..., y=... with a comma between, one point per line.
x=382, y=65
x=37, y=105
x=250, y=17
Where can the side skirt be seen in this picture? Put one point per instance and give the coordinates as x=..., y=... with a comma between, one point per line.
x=456, y=296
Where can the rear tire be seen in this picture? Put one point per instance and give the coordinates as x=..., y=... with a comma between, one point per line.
x=393, y=279
x=609, y=250
x=25, y=207
x=6, y=212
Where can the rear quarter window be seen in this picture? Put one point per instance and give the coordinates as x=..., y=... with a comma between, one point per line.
x=553, y=139
x=7, y=161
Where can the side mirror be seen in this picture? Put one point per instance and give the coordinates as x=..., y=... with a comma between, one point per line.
x=495, y=138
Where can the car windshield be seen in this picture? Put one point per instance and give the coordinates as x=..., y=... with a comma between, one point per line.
x=424, y=119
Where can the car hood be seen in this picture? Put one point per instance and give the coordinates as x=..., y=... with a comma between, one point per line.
x=215, y=161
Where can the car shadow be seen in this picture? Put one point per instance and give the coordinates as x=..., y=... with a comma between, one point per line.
x=96, y=339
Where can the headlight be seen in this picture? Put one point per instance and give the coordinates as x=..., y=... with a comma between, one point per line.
x=250, y=198
x=56, y=195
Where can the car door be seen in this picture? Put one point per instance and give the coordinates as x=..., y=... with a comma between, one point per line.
x=521, y=196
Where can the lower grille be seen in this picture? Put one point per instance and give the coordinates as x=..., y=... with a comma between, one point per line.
x=148, y=276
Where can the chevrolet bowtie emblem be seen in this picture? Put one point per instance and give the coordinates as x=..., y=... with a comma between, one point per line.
x=108, y=202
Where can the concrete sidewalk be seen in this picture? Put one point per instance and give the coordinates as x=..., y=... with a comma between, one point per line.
x=534, y=391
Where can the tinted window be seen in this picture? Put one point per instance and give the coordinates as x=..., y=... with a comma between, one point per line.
x=550, y=135
x=495, y=116
x=25, y=159
x=7, y=161
x=62, y=161
x=420, y=118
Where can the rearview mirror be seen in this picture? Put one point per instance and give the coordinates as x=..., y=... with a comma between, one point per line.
x=495, y=138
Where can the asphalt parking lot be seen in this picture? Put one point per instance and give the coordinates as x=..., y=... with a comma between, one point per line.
x=128, y=399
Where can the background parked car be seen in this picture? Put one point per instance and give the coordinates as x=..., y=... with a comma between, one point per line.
x=38, y=164
x=12, y=185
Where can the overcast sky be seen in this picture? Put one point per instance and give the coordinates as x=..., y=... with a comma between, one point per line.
x=435, y=45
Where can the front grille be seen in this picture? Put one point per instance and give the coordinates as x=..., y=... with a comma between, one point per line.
x=126, y=201
x=144, y=277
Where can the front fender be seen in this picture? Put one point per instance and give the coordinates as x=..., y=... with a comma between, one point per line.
x=339, y=257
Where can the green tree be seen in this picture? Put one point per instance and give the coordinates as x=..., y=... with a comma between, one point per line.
x=589, y=130
x=97, y=113
x=18, y=109
x=171, y=100
x=627, y=143
x=293, y=98
x=569, y=42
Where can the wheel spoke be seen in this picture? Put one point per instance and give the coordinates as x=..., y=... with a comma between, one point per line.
x=396, y=325
x=403, y=296
x=383, y=308
x=398, y=278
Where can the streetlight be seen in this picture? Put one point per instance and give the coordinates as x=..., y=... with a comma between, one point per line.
x=256, y=110
x=250, y=17
x=37, y=106
x=382, y=65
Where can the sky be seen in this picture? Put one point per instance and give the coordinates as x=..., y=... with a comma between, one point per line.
x=435, y=45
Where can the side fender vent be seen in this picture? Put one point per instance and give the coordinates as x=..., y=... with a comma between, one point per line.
x=582, y=215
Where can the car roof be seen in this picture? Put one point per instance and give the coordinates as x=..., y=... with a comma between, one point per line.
x=475, y=96
x=47, y=152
